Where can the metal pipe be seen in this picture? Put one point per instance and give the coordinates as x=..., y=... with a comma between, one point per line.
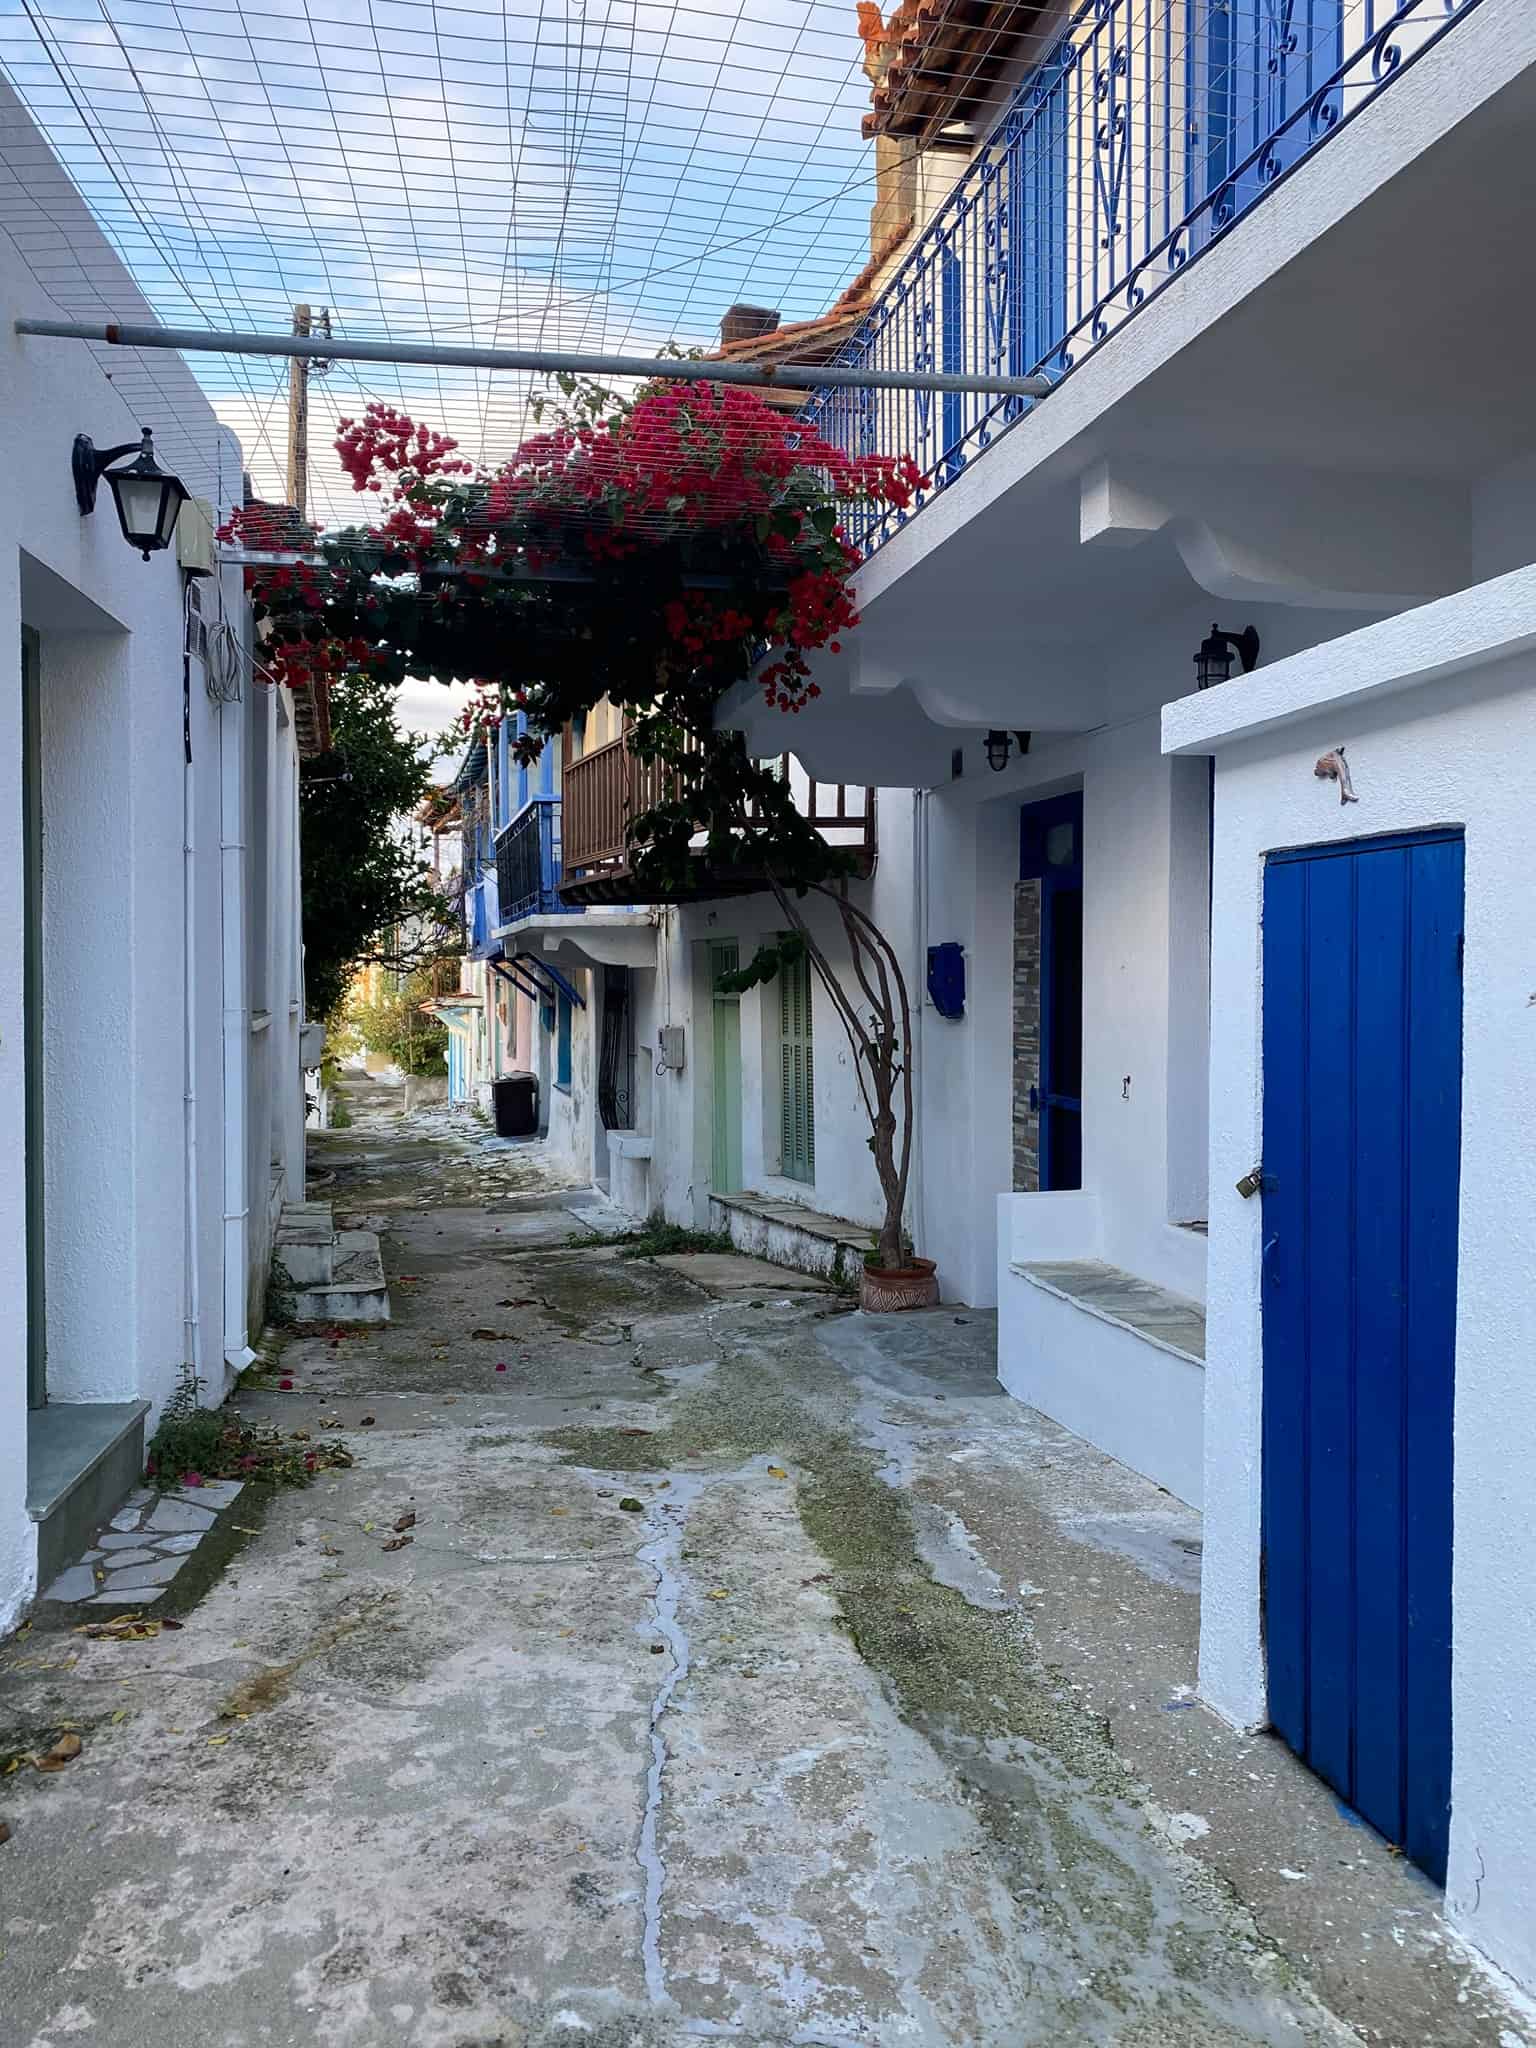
x=792, y=376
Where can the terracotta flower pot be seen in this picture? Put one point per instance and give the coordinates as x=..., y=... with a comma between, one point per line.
x=884, y=1289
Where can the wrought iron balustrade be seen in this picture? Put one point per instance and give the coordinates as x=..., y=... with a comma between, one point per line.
x=1149, y=129
x=528, y=861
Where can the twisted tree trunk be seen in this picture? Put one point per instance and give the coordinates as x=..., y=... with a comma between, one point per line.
x=882, y=1046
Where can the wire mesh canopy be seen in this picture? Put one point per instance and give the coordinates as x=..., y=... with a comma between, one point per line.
x=604, y=175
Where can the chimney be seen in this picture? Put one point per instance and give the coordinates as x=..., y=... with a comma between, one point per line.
x=746, y=323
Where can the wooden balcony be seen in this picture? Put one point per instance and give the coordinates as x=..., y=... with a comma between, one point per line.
x=609, y=788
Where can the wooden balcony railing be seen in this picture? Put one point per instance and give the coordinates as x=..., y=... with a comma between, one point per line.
x=606, y=790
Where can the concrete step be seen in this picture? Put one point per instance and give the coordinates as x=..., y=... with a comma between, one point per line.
x=792, y=1234
x=305, y=1247
x=83, y=1457
x=354, y=1290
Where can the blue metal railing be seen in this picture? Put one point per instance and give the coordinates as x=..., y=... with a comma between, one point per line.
x=528, y=862
x=1152, y=126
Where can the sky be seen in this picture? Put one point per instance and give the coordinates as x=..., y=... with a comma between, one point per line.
x=574, y=174
x=590, y=175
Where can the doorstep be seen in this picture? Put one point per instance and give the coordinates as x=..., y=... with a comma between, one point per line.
x=1171, y=1321
x=83, y=1457
x=1119, y=1362
x=788, y=1233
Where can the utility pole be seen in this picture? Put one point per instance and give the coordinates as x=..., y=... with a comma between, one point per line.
x=298, y=419
x=300, y=370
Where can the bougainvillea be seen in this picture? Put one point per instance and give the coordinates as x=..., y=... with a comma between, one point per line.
x=653, y=550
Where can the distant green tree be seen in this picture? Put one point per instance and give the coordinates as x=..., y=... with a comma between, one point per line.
x=396, y=1026
x=360, y=879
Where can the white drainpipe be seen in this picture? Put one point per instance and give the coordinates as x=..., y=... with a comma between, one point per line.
x=191, y=1344
x=237, y=1353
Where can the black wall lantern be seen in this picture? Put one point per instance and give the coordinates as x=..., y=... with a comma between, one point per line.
x=148, y=498
x=1000, y=746
x=1213, y=664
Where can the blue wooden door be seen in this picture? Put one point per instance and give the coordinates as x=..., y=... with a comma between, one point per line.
x=1051, y=852
x=1362, y=1150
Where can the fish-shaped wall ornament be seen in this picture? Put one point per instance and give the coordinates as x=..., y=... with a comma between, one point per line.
x=1332, y=767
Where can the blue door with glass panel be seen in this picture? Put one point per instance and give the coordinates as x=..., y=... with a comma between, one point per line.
x=1362, y=1151
x=1051, y=852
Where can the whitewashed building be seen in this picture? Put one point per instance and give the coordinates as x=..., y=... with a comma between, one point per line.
x=151, y=1095
x=1276, y=275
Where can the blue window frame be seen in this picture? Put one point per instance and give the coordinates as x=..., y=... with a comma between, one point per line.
x=563, y=1042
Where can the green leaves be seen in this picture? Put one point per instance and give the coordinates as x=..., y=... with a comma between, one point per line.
x=764, y=965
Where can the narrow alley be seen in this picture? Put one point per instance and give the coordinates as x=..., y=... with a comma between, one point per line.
x=737, y=1667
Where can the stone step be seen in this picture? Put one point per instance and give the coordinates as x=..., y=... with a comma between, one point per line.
x=306, y=1244
x=354, y=1291
x=792, y=1234
x=82, y=1458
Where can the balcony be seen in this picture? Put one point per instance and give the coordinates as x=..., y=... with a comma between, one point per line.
x=1148, y=131
x=528, y=862
x=481, y=915
x=609, y=788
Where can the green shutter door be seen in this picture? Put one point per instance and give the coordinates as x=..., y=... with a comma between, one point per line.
x=798, y=1124
x=725, y=1053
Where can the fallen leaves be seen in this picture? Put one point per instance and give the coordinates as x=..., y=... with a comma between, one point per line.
x=720, y=1593
x=405, y=1521
x=490, y=1336
x=777, y=1472
x=365, y=1422
x=519, y=1301
x=5, y=1831
x=63, y=1752
x=127, y=1628
x=637, y=1432
x=631, y=1506
x=399, y=1542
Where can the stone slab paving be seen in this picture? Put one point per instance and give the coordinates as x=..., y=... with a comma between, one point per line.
x=143, y=1547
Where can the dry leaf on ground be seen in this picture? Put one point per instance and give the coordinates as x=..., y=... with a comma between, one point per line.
x=399, y=1542
x=63, y=1752
x=406, y=1521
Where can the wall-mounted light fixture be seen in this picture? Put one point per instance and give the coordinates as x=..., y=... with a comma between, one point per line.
x=1213, y=663
x=148, y=498
x=1000, y=745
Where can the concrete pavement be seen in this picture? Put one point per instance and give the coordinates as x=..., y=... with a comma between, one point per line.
x=754, y=1671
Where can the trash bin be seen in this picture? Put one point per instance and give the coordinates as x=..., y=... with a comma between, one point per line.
x=515, y=1100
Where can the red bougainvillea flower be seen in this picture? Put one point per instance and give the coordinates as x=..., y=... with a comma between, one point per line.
x=286, y=1386
x=680, y=473
x=191, y=1478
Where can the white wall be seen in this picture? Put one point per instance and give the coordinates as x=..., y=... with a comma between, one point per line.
x=114, y=910
x=680, y=1103
x=1144, y=899
x=1438, y=713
